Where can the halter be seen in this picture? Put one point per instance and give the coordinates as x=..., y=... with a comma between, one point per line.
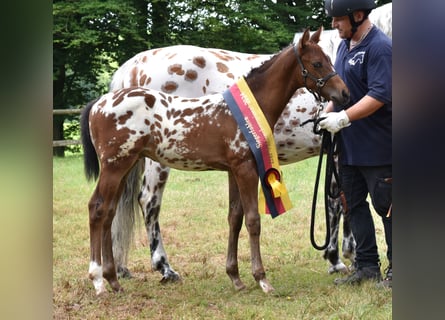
x=320, y=82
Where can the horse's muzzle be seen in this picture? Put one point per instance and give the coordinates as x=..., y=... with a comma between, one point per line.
x=343, y=99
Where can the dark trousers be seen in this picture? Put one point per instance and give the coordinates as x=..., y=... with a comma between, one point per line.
x=357, y=183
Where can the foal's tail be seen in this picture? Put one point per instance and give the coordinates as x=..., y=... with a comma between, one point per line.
x=91, y=163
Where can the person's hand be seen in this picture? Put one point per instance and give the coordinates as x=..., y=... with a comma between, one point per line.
x=335, y=121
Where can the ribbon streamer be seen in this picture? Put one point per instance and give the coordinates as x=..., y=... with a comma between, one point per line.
x=273, y=195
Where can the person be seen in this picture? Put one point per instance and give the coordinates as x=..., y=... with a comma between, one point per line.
x=364, y=62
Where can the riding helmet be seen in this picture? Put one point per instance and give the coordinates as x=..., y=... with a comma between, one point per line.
x=340, y=8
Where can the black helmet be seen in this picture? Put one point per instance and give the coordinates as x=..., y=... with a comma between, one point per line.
x=340, y=8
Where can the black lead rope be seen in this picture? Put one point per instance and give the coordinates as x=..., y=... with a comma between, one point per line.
x=330, y=146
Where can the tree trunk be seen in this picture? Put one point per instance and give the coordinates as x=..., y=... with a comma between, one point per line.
x=58, y=103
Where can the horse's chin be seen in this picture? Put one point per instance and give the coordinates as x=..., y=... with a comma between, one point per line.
x=341, y=101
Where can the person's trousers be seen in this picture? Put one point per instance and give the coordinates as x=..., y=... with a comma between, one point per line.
x=357, y=182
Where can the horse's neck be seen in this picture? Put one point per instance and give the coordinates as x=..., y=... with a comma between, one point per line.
x=274, y=87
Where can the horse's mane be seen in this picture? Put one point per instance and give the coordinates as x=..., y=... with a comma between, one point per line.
x=266, y=64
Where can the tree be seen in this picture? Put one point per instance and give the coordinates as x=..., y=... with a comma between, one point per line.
x=320, y=15
x=87, y=36
x=160, y=26
x=249, y=26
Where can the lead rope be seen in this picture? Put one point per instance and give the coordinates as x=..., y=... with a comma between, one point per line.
x=329, y=144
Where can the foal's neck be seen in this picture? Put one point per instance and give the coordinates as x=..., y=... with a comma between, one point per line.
x=274, y=86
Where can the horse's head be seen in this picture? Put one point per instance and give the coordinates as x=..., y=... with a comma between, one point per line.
x=317, y=70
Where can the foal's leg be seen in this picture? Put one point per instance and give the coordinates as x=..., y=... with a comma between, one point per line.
x=96, y=215
x=247, y=180
x=150, y=198
x=102, y=210
x=109, y=269
x=235, y=219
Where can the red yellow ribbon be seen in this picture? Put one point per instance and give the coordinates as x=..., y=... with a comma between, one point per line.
x=273, y=195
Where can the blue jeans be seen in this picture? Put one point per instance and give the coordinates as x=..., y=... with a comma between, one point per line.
x=357, y=182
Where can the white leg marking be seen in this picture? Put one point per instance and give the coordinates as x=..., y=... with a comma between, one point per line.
x=95, y=273
x=338, y=267
x=265, y=285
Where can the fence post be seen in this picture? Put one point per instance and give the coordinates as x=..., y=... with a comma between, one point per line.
x=64, y=143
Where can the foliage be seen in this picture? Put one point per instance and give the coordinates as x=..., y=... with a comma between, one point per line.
x=246, y=26
x=71, y=131
x=87, y=35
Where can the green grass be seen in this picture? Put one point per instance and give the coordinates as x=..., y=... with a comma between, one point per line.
x=194, y=226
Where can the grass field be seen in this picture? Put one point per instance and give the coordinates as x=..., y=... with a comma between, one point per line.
x=194, y=225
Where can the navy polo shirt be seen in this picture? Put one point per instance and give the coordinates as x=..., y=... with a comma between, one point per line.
x=366, y=70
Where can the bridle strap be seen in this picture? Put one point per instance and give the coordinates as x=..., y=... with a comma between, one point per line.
x=320, y=82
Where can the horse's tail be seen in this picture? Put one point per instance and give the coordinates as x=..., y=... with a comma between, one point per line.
x=91, y=163
x=122, y=229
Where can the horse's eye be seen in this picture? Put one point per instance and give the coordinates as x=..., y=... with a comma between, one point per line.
x=317, y=65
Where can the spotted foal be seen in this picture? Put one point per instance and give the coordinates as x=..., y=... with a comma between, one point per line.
x=123, y=126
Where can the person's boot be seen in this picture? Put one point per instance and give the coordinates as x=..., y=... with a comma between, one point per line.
x=361, y=274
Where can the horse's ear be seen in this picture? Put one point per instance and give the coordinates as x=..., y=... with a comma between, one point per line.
x=304, y=38
x=316, y=36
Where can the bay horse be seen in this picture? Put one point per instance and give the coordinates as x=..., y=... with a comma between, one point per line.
x=196, y=134
x=192, y=71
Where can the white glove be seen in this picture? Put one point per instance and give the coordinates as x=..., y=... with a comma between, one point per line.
x=335, y=121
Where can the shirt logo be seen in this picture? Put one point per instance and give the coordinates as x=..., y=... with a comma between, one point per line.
x=358, y=57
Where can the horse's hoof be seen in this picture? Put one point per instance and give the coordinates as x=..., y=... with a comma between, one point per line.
x=119, y=290
x=339, y=267
x=101, y=292
x=171, y=277
x=116, y=286
x=266, y=286
x=99, y=286
x=239, y=285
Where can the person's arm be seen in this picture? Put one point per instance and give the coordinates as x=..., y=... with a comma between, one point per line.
x=363, y=108
x=335, y=121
